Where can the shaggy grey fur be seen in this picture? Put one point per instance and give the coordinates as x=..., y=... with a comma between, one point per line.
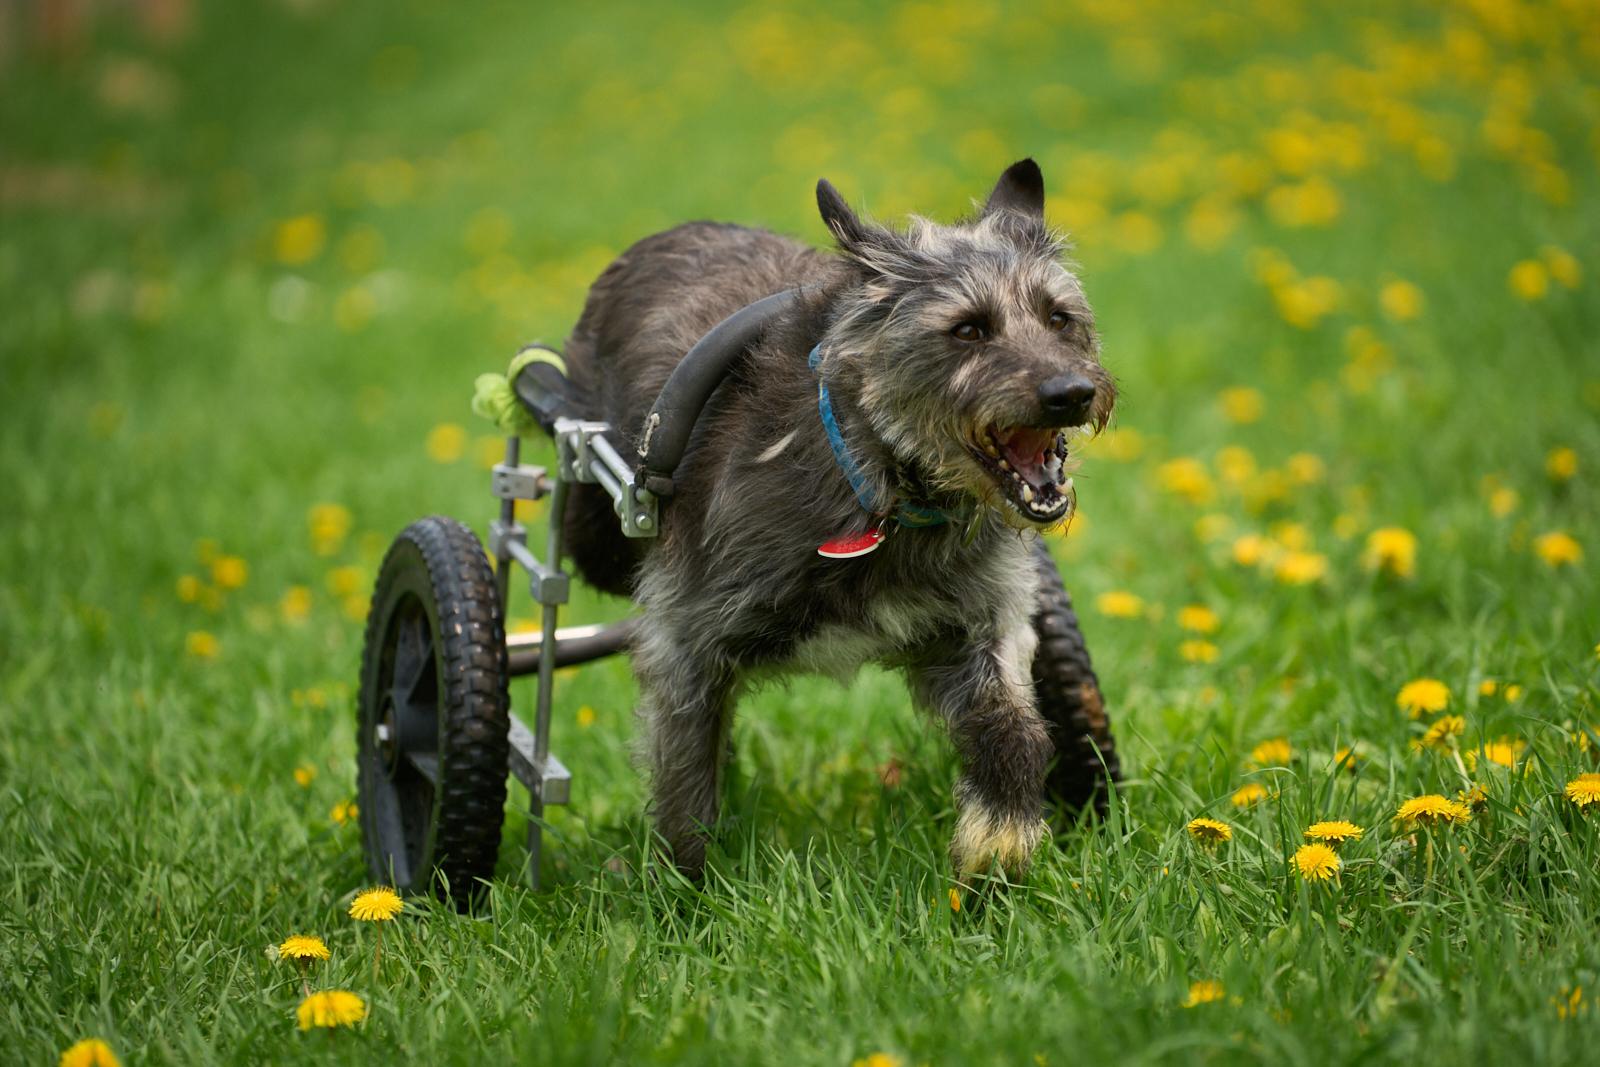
x=951, y=354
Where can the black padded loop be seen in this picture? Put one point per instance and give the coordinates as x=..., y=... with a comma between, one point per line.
x=543, y=390
x=672, y=419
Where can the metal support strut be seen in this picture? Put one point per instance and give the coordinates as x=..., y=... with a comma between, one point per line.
x=583, y=455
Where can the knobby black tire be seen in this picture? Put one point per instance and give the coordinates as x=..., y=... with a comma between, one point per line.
x=438, y=566
x=1086, y=767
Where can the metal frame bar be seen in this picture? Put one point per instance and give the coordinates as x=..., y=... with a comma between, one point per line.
x=583, y=455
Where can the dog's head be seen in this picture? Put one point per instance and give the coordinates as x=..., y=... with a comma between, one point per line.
x=970, y=347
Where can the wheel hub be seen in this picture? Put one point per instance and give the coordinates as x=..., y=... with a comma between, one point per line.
x=403, y=730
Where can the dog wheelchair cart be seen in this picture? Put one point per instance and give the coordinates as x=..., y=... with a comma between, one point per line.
x=436, y=735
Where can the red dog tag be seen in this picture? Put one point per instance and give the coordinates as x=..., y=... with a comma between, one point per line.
x=846, y=547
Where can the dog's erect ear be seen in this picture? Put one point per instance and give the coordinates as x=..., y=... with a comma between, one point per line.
x=846, y=226
x=1020, y=189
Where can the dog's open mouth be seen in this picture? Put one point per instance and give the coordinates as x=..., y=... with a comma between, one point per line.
x=1029, y=467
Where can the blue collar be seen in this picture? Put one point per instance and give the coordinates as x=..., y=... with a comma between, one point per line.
x=906, y=514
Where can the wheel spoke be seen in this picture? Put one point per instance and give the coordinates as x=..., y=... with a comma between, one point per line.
x=427, y=763
x=413, y=652
x=420, y=688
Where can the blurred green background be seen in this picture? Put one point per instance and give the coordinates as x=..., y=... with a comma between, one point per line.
x=1343, y=257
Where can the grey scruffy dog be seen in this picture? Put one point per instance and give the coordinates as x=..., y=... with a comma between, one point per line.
x=959, y=362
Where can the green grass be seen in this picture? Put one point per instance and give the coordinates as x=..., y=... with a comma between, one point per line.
x=165, y=394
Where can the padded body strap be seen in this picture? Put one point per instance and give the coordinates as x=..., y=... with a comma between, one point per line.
x=671, y=420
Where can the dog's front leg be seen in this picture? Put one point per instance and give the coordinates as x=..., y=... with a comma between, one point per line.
x=983, y=693
x=685, y=713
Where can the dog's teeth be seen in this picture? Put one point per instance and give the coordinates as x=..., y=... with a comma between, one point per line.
x=1027, y=493
x=1004, y=465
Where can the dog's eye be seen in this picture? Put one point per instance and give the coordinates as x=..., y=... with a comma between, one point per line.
x=1059, y=320
x=969, y=332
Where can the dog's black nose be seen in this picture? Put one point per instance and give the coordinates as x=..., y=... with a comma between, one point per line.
x=1067, y=397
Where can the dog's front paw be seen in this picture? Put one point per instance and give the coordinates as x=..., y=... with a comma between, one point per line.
x=984, y=839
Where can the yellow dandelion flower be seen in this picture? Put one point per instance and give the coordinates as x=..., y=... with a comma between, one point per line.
x=1564, y=266
x=1204, y=993
x=1295, y=536
x=344, y=811
x=202, y=645
x=1301, y=568
x=90, y=1052
x=295, y=605
x=1391, y=549
x=329, y=524
x=229, y=572
x=300, y=947
x=304, y=773
x=1401, y=301
x=446, y=442
x=585, y=717
x=1529, y=280
x=1251, y=549
x=189, y=588
x=1199, y=618
x=1423, y=695
x=1557, y=548
x=955, y=900
x=1316, y=862
x=1475, y=799
x=1487, y=687
x=1561, y=464
x=1513, y=693
x=1503, y=502
x=376, y=905
x=1242, y=405
x=1304, y=304
x=1569, y=1003
x=300, y=239
x=1346, y=757
x=1432, y=810
x=1213, y=527
x=1439, y=735
x=1199, y=651
x=1585, y=790
x=1120, y=604
x=1248, y=795
x=344, y=581
x=1272, y=753
x=1209, y=832
x=1305, y=468
x=1504, y=752
x=330, y=1009
x=1335, y=832
x=1186, y=477
x=1236, y=465
x=879, y=1059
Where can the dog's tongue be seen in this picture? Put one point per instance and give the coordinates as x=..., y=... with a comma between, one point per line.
x=1024, y=450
